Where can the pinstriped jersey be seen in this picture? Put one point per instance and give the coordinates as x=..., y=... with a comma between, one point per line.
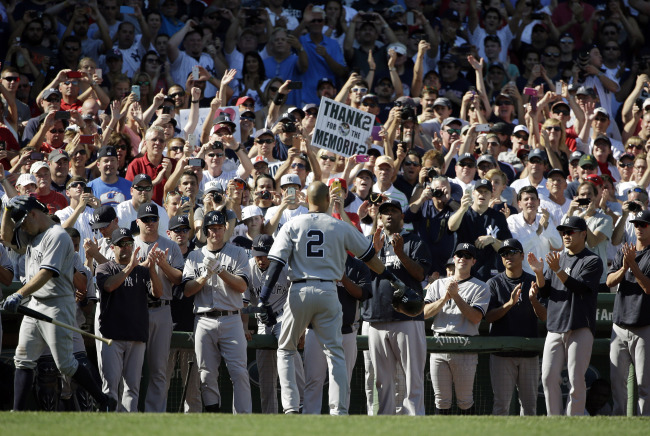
x=278, y=295
x=314, y=246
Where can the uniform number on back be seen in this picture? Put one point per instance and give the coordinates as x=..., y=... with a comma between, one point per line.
x=315, y=240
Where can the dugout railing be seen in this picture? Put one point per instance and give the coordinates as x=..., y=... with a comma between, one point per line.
x=483, y=344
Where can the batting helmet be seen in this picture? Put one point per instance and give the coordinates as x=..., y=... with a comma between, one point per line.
x=21, y=205
x=408, y=302
x=212, y=218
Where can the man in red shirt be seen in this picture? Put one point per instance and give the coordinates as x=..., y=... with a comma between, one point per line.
x=44, y=193
x=153, y=163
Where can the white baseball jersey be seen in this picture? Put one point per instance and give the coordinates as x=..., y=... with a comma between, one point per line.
x=450, y=319
x=174, y=257
x=215, y=295
x=279, y=293
x=313, y=245
x=287, y=215
x=126, y=214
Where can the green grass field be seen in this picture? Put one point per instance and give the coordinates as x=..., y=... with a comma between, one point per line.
x=71, y=424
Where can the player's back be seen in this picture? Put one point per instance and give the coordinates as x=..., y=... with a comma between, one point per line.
x=314, y=246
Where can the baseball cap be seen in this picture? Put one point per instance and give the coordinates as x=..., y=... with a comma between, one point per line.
x=405, y=101
x=442, y=101
x=492, y=135
x=366, y=170
x=451, y=14
x=398, y=47
x=539, y=153
x=214, y=217
x=555, y=171
x=573, y=223
x=114, y=54
x=560, y=103
x=523, y=152
x=224, y=118
x=325, y=80
x=498, y=65
x=147, y=209
x=465, y=248
x=58, y=154
x=601, y=110
x=36, y=166
x=641, y=217
x=448, y=59
x=247, y=114
x=450, y=262
x=50, y=92
x=178, y=221
x=344, y=184
x=370, y=97
x=384, y=160
x=290, y=179
x=287, y=117
x=141, y=178
x=20, y=207
x=260, y=159
x=263, y=132
x=261, y=245
x=213, y=186
x=583, y=90
x=242, y=100
x=250, y=211
x=483, y=183
x=646, y=103
x=520, y=128
x=588, y=159
x=296, y=110
x=107, y=151
x=103, y=216
x=595, y=179
x=511, y=244
x=309, y=106
x=465, y=156
x=388, y=204
x=576, y=155
x=626, y=156
x=502, y=127
x=25, y=179
x=486, y=158
x=451, y=120
x=119, y=234
x=601, y=137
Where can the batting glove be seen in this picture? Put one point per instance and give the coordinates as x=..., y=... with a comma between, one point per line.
x=267, y=316
x=12, y=302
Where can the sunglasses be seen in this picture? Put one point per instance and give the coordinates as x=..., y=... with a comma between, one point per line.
x=145, y=83
x=504, y=103
x=330, y=158
x=298, y=166
x=181, y=230
x=625, y=165
x=81, y=152
x=370, y=104
x=588, y=167
x=360, y=90
x=509, y=253
x=640, y=225
x=561, y=112
x=409, y=163
x=311, y=114
x=53, y=100
x=467, y=164
x=567, y=232
x=77, y=184
x=12, y=78
x=149, y=219
x=265, y=141
x=452, y=131
x=566, y=41
x=123, y=244
x=177, y=94
x=177, y=149
x=246, y=118
x=554, y=55
x=553, y=129
x=638, y=147
x=493, y=143
x=273, y=88
x=143, y=188
x=464, y=255
x=53, y=131
x=120, y=147
x=215, y=154
x=71, y=82
x=536, y=161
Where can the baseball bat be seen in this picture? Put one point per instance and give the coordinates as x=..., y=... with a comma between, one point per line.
x=40, y=316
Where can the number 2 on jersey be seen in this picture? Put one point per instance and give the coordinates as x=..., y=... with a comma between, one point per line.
x=314, y=242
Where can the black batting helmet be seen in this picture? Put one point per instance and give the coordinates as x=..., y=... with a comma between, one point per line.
x=21, y=205
x=409, y=302
x=212, y=218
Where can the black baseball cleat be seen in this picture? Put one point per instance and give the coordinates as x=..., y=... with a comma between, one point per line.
x=108, y=405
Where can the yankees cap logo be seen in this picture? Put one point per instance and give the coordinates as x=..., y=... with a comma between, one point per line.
x=506, y=243
x=148, y=209
x=566, y=220
x=96, y=217
x=639, y=214
x=123, y=231
x=465, y=246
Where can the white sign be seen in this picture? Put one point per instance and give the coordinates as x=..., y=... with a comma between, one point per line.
x=342, y=129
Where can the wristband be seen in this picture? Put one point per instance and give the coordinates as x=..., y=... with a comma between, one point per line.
x=279, y=99
x=195, y=101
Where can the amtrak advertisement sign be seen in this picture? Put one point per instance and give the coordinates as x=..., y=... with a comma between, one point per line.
x=342, y=129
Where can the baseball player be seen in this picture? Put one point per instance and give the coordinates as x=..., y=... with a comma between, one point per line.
x=354, y=286
x=571, y=286
x=169, y=269
x=49, y=266
x=457, y=305
x=6, y=276
x=513, y=311
x=218, y=275
x=315, y=262
x=267, y=367
x=395, y=339
x=124, y=285
x=631, y=330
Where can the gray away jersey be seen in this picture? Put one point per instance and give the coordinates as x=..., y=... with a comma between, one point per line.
x=174, y=257
x=215, y=295
x=279, y=293
x=52, y=250
x=314, y=245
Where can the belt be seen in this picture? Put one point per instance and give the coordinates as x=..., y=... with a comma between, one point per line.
x=158, y=303
x=219, y=313
x=311, y=280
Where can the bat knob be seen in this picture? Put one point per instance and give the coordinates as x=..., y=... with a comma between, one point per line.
x=109, y=342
